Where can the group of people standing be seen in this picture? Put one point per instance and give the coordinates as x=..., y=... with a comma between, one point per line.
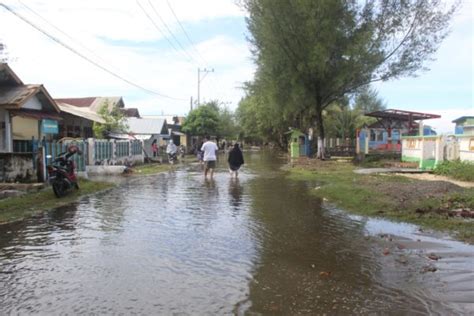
x=207, y=153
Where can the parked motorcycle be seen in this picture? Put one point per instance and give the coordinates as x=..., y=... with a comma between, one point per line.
x=62, y=176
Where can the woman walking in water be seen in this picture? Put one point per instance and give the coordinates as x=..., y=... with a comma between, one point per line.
x=235, y=160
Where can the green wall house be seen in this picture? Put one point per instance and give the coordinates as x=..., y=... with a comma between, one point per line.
x=464, y=125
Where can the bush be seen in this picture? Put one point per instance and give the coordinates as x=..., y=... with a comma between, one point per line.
x=461, y=170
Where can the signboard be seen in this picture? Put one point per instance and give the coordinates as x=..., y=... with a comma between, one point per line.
x=49, y=126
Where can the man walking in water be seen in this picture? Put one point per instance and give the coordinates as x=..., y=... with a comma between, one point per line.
x=210, y=155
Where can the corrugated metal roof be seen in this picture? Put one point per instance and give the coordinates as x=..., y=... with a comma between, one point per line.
x=78, y=102
x=93, y=103
x=80, y=112
x=16, y=96
x=145, y=126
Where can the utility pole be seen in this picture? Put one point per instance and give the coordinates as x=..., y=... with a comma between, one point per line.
x=205, y=71
x=191, y=103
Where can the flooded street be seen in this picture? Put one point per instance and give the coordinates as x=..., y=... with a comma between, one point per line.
x=174, y=243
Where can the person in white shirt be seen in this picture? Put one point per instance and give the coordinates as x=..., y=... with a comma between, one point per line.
x=210, y=156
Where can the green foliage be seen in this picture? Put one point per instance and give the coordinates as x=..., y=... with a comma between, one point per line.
x=310, y=53
x=114, y=121
x=461, y=170
x=211, y=119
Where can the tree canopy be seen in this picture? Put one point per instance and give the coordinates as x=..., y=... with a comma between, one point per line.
x=114, y=121
x=310, y=54
x=211, y=119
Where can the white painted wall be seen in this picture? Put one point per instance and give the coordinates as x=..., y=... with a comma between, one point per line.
x=33, y=104
x=466, y=148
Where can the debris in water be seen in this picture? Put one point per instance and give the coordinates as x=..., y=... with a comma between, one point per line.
x=325, y=274
x=429, y=268
x=386, y=251
x=432, y=256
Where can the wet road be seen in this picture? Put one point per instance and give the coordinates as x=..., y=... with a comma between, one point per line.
x=176, y=244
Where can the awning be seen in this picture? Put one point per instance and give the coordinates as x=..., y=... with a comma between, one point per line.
x=177, y=133
x=37, y=115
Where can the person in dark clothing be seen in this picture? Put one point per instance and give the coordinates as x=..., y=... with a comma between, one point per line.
x=235, y=160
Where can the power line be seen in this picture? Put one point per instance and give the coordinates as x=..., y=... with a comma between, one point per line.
x=86, y=58
x=184, y=31
x=156, y=26
x=169, y=31
x=59, y=30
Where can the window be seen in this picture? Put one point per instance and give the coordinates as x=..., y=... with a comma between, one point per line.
x=412, y=143
x=471, y=144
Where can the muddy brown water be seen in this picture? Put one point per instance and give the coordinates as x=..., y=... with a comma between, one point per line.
x=176, y=244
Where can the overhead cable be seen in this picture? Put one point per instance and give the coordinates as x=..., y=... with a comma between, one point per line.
x=169, y=31
x=184, y=31
x=87, y=58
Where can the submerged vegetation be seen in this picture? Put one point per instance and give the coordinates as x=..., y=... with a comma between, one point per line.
x=431, y=204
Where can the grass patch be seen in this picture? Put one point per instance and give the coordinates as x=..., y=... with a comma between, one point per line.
x=18, y=208
x=461, y=170
x=395, y=197
x=151, y=168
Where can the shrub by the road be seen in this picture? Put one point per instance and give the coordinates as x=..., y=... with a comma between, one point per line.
x=461, y=170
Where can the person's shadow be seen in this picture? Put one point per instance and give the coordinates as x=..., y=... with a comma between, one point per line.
x=235, y=192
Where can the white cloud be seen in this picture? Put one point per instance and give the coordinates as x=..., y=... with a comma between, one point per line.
x=126, y=41
x=444, y=124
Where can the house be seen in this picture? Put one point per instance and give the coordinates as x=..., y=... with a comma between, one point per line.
x=27, y=112
x=174, y=124
x=146, y=130
x=81, y=113
x=464, y=125
x=386, y=133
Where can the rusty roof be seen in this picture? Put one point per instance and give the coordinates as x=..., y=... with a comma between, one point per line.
x=16, y=97
x=402, y=115
x=93, y=103
x=79, y=102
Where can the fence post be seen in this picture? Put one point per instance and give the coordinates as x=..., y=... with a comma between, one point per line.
x=90, y=151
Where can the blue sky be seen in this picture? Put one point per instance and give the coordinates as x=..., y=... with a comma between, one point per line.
x=119, y=36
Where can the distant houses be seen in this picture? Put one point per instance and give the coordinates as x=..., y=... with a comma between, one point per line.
x=464, y=125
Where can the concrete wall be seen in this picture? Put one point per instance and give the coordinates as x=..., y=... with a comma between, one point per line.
x=466, y=147
x=17, y=167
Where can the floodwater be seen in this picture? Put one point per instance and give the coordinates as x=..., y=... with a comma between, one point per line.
x=176, y=244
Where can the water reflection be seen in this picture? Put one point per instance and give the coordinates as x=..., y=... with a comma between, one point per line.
x=176, y=243
x=235, y=193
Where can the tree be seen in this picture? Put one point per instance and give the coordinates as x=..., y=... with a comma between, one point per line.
x=203, y=120
x=313, y=53
x=366, y=101
x=114, y=121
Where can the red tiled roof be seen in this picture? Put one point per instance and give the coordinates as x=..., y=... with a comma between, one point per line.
x=80, y=102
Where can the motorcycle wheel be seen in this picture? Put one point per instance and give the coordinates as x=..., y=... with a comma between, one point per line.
x=59, y=188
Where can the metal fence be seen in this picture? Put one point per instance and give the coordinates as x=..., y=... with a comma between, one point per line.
x=54, y=148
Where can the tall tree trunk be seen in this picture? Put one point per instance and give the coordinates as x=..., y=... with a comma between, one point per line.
x=321, y=153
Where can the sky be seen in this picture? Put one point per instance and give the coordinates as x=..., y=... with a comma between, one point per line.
x=159, y=45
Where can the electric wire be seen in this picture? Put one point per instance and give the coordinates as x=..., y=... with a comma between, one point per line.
x=65, y=34
x=185, y=33
x=55, y=39
x=170, y=32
